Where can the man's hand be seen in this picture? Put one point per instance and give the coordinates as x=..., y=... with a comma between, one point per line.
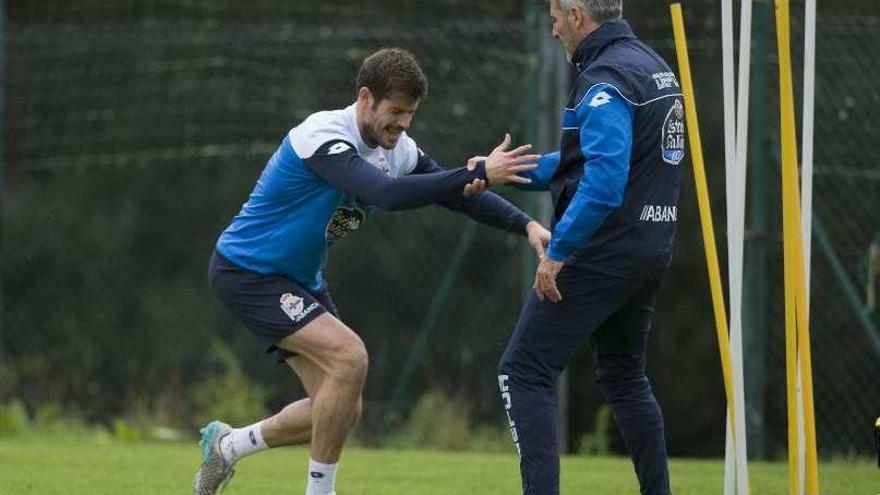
x=472, y=163
x=545, y=279
x=478, y=185
x=539, y=237
x=502, y=166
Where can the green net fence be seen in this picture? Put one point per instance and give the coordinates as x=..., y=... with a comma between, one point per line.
x=845, y=336
x=135, y=130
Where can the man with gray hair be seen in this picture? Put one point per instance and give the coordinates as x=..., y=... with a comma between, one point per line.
x=614, y=184
x=599, y=10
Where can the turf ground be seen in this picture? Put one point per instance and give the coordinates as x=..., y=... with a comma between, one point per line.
x=41, y=466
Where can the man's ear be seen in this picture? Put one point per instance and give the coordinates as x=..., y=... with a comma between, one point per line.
x=365, y=96
x=576, y=17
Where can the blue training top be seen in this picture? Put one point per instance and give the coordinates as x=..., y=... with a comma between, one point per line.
x=324, y=181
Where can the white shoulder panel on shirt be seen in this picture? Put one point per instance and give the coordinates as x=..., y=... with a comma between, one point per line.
x=319, y=128
x=322, y=127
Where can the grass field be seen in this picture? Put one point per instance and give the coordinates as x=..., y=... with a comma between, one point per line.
x=90, y=467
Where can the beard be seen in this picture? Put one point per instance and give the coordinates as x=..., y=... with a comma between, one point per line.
x=385, y=136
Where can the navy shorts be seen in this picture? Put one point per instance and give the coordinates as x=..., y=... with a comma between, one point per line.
x=270, y=306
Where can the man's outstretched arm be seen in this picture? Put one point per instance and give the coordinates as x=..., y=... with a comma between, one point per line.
x=338, y=163
x=490, y=209
x=486, y=207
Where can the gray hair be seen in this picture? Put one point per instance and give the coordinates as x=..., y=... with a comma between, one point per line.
x=600, y=10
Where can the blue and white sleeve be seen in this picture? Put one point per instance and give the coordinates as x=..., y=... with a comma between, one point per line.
x=338, y=164
x=542, y=175
x=605, y=121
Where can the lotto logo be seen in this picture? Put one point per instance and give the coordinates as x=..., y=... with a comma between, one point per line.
x=338, y=148
x=600, y=99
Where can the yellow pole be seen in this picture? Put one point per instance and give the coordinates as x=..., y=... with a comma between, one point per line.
x=805, y=360
x=797, y=333
x=787, y=130
x=690, y=107
x=803, y=329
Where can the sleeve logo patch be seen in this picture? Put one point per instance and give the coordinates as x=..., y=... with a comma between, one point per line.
x=672, y=134
x=338, y=148
x=600, y=99
x=344, y=220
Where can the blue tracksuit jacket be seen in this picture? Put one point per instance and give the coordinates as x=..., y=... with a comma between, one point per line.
x=615, y=180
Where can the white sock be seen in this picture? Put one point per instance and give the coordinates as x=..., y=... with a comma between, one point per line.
x=322, y=478
x=242, y=442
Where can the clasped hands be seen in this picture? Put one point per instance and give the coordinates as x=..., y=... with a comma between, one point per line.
x=539, y=237
x=502, y=167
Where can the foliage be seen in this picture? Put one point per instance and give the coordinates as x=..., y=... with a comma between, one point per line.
x=13, y=418
x=440, y=421
x=436, y=421
x=598, y=441
x=229, y=394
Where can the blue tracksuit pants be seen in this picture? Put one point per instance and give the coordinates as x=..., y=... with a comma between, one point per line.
x=614, y=315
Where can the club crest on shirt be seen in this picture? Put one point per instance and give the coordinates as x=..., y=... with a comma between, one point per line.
x=672, y=134
x=344, y=220
x=383, y=164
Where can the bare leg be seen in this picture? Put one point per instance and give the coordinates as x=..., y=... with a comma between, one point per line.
x=332, y=362
x=293, y=424
x=290, y=426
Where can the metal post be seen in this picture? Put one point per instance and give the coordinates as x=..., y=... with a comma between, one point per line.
x=552, y=91
x=549, y=87
x=758, y=244
x=3, y=71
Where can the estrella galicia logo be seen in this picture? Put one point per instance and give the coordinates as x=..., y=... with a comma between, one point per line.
x=345, y=220
x=672, y=137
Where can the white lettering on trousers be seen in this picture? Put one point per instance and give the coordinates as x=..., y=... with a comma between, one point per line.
x=505, y=396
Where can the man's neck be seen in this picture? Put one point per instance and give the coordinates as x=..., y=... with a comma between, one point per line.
x=588, y=28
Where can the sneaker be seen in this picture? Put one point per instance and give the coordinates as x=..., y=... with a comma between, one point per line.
x=215, y=472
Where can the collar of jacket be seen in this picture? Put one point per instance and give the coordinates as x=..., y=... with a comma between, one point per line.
x=588, y=50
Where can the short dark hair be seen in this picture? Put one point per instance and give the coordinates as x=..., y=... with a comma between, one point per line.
x=600, y=10
x=392, y=70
